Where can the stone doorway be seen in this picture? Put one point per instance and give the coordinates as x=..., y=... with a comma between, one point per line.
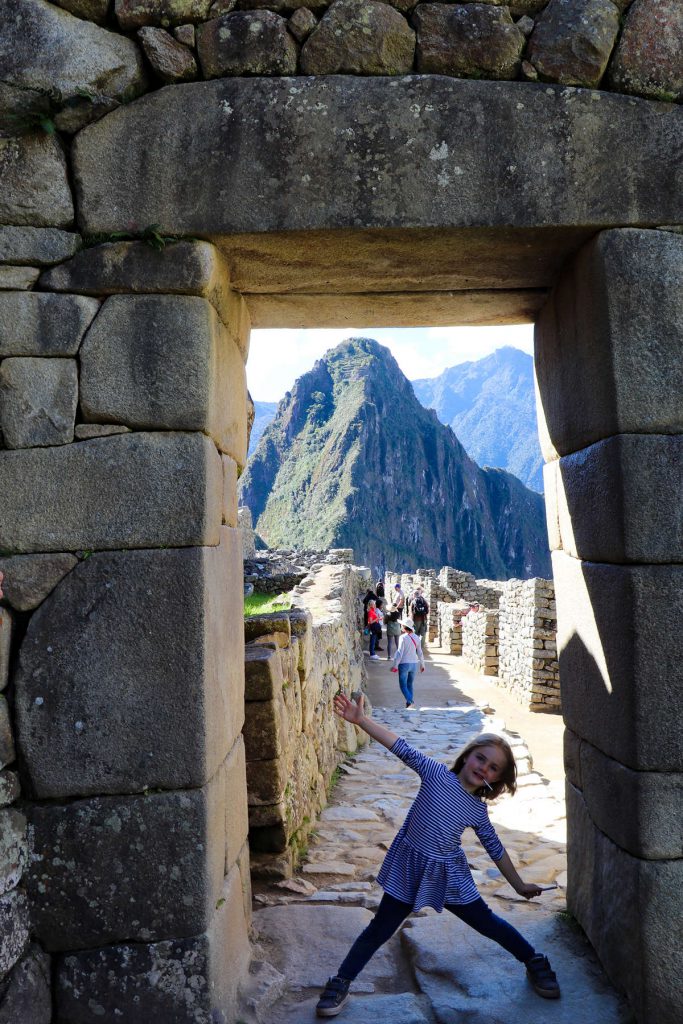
x=549, y=195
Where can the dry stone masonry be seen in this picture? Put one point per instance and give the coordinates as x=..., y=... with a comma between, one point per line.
x=123, y=418
x=407, y=162
x=111, y=53
x=513, y=636
x=295, y=662
x=480, y=640
x=528, y=663
x=277, y=571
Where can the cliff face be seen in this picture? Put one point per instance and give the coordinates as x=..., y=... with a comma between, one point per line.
x=491, y=407
x=353, y=460
x=264, y=413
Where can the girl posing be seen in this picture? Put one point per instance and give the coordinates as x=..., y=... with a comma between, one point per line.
x=426, y=865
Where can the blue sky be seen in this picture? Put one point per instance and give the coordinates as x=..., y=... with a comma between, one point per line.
x=278, y=357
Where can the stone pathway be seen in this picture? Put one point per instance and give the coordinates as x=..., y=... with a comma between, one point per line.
x=435, y=970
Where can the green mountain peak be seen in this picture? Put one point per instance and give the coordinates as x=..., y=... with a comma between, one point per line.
x=352, y=459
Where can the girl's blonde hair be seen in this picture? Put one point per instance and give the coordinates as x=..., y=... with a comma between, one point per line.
x=507, y=783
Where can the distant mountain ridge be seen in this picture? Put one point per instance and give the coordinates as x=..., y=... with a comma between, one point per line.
x=490, y=405
x=352, y=459
x=263, y=415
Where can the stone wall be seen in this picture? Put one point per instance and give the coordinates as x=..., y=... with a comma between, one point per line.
x=513, y=637
x=528, y=662
x=480, y=640
x=449, y=620
x=246, y=526
x=18, y=956
x=134, y=46
x=460, y=585
x=118, y=478
x=275, y=571
x=608, y=364
x=295, y=663
x=123, y=420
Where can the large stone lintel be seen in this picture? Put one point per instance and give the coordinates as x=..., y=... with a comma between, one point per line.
x=251, y=155
x=609, y=342
x=144, y=708
x=406, y=309
x=620, y=651
x=388, y=274
x=631, y=910
x=138, y=490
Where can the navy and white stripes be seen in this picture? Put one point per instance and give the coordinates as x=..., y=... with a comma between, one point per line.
x=426, y=865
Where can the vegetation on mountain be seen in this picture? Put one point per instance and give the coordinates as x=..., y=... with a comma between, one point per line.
x=353, y=460
x=490, y=405
x=263, y=415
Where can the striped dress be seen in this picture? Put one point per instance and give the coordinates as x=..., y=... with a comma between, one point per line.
x=426, y=865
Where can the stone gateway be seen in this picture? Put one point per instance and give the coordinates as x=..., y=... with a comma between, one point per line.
x=176, y=172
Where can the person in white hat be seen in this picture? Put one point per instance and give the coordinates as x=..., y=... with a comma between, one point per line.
x=406, y=660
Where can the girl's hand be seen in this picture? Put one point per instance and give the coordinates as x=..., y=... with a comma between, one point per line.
x=528, y=890
x=351, y=711
x=394, y=670
x=422, y=668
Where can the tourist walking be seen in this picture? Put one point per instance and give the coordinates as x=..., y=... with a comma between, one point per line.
x=419, y=610
x=426, y=865
x=408, y=656
x=393, y=628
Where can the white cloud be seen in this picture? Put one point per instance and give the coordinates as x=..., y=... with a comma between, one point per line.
x=278, y=357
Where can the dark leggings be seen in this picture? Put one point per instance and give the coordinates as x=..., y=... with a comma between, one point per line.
x=392, y=912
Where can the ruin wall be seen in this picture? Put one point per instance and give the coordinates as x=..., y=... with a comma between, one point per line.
x=528, y=662
x=480, y=641
x=295, y=662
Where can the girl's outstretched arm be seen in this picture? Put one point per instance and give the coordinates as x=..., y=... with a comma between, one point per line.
x=352, y=711
x=526, y=889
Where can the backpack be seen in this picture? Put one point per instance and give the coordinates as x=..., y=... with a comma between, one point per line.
x=419, y=606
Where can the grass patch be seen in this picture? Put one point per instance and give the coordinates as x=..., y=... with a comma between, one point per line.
x=334, y=779
x=259, y=604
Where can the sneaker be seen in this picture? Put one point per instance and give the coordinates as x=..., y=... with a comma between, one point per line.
x=542, y=977
x=374, y=657
x=333, y=997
